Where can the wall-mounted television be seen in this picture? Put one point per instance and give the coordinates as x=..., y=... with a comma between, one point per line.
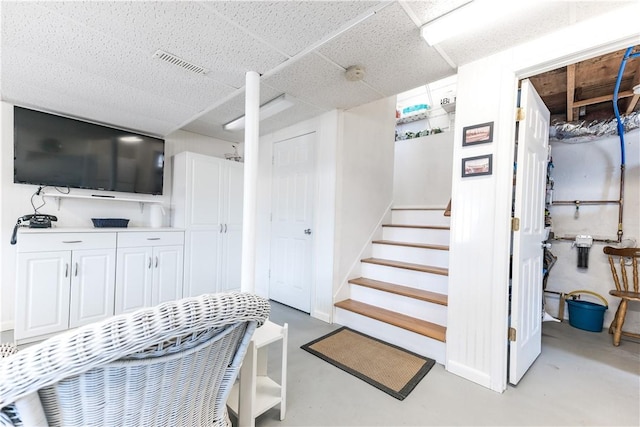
x=52, y=150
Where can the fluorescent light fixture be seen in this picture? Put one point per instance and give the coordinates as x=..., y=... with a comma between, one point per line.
x=130, y=139
x=269, y=109
x=470, y=17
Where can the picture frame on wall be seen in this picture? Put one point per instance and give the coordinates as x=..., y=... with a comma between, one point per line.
x=477, y=166
x=477, y=134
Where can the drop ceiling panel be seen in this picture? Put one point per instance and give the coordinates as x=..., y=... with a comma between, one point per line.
x=407, y=61
x=111, y=103
x=429, y=10
x=43, y=33
x=185, y=29
x=302, y=23
x=313, y=78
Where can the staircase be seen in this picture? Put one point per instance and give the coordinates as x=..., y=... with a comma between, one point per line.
x=401, y=297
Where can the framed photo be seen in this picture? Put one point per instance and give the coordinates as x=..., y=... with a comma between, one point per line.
x=477, y=134
x=476, y=166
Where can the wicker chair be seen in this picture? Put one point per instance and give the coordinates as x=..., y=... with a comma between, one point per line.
x=173, y=364
x=623, y=258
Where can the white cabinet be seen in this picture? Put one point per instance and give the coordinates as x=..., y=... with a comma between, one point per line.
x=207, y=203
x=149, y=269
x=64, y=280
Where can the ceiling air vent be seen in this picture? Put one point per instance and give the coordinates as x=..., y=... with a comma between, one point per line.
x=172, y=59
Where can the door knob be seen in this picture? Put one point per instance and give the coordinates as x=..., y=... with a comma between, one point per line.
x=546, y=245
x=307, y=231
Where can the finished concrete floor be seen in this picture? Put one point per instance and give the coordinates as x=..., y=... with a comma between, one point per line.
x=579, y=379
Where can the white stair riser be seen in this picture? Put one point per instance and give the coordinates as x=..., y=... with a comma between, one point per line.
x=418, y=217
x=416, y=235
x=433, y=257
x=434, y=313
x=408, y=340
x=400, y=276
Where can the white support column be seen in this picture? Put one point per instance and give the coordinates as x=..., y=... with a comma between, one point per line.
x=251, y=136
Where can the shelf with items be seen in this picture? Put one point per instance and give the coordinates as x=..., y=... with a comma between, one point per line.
x=413, y=118
x=58, y=198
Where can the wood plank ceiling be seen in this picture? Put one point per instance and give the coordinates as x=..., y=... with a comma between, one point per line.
x=584, y=90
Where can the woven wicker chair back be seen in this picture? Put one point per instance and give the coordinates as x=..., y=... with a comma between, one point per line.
x=169, y=365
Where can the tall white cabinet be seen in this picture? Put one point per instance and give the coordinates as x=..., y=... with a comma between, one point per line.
x=207, y=203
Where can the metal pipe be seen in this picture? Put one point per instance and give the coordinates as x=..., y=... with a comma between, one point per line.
x=585, y=202
x=572, y=239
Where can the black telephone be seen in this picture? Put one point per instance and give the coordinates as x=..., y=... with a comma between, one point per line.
x=35, y=221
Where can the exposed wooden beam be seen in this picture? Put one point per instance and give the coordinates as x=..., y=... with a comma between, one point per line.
x=571, y=88
x=633, y=101
x=599, y=99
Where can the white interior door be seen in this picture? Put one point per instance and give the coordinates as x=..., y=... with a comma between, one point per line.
x=526, y=291
x=292, y=221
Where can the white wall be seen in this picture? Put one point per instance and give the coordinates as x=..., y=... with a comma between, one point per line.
x=591, y=171
x=15, y=201
x=365, y=179
x=422, y=171
x=480, y=235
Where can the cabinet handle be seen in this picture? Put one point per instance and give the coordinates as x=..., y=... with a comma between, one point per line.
x=76, y=272
x=149, y=262
x=66, y=270
x=156, y=262
x=221, y=228
x=153, y=238
x=72, y=241
x=225, y=228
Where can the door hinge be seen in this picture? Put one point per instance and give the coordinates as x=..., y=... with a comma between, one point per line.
x=515, y=224
x=512, y=334
x=519, y=114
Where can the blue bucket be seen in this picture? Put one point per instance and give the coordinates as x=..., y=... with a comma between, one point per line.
x=586, y=315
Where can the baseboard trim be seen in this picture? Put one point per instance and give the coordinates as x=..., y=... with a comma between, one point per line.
x=6, y=325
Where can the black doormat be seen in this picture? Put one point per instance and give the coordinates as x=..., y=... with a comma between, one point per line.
x=392, y=369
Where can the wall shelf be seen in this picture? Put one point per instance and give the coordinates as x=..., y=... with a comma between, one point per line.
x=413, y=118
x=58, y=198
x=449, y=107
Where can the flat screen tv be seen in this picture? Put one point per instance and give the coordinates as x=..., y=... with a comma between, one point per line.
x=57, y=151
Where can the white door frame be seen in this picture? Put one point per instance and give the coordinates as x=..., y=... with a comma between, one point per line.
x=322, y=287
x=477, y=342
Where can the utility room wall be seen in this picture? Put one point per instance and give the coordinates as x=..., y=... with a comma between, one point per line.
x=591, y=171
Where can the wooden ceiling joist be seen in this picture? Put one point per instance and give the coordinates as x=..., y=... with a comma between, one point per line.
x=636, y=81
x=604, y=98
x=571, y=89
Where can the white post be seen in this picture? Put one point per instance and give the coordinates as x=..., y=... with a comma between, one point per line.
x=251, y=136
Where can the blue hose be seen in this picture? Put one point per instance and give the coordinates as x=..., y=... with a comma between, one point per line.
x=627, y=55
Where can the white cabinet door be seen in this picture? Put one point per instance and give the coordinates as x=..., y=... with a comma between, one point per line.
x=134, y=276
x=167, y=273
x=202, y=251
x=92, y=286
x=232, y=203
x=42, y=293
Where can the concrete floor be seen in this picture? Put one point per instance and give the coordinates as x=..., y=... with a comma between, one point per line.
x=579, y=379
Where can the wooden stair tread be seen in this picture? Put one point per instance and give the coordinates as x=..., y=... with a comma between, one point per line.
x=426, y=227
x=412, y=245
x=422, y=327
x=408, y=266
x=402, y=290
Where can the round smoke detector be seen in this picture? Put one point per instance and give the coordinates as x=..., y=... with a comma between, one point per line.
x=354, y=73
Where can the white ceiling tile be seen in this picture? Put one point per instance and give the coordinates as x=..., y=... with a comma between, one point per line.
x=50, y=36
x=183, y=28
x=428, y=10
x=394, y=61
x=302, y=23
x=314, y=78
x=122, y=106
